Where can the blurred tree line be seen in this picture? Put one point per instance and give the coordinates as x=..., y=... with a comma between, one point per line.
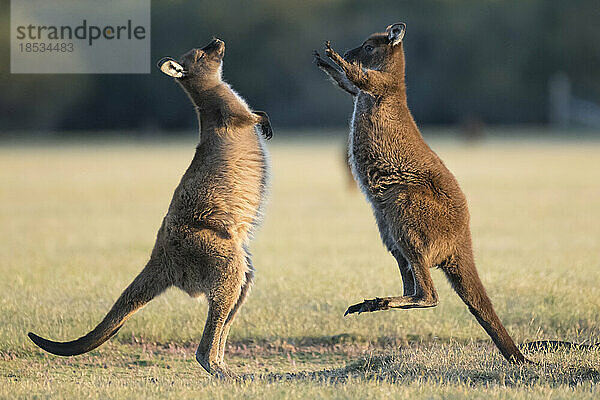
x=465, y=58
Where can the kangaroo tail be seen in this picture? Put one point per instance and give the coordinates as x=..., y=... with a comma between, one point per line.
x=147, y=285
x=465, y=281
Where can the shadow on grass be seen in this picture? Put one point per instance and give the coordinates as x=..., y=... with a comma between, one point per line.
x=396, y=360
x=446, y=365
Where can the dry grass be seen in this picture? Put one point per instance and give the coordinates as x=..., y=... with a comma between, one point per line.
x=78, y=223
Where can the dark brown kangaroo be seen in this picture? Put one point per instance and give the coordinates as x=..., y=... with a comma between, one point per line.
x=420, y=209
x=201, y=246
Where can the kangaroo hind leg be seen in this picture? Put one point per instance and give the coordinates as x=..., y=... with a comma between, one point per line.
x=222, y=295
x=247, y=284
x=418, y=289
x=408, y=280
x=424, y=295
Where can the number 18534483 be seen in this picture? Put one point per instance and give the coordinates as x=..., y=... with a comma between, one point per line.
x=41, y=47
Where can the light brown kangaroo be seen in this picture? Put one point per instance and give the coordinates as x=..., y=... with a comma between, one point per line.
x=420, y=209
x=202, y=244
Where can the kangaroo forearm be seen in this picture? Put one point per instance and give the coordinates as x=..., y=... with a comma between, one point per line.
x=337, y=76
x=370, y=81
x=342, y=81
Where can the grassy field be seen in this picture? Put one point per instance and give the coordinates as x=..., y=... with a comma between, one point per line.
x=78, y=222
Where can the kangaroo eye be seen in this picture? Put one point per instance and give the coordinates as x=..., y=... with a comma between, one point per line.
x=368, y=48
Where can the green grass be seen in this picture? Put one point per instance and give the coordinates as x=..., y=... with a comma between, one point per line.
x=78, y=223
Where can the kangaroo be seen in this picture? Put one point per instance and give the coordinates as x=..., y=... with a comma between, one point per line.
x=420, y=210
x=202, y=244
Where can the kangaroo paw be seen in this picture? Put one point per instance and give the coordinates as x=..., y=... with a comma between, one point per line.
x=321, y=63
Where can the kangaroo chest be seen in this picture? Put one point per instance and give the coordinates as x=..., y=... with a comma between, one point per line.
x=369, y=148
x=224, y=192
x=381, y=153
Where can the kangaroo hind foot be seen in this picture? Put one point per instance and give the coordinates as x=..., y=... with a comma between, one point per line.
x=386, y=303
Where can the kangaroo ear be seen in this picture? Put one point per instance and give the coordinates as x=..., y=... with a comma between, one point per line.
x=396, y=32
x=171, y=67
